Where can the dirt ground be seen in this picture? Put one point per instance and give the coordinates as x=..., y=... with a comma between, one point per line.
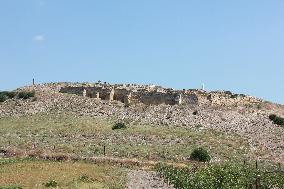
x=140, y=179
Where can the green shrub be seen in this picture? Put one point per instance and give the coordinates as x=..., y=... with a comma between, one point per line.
x=276, y=119
x=272, y=117
x=200, y=154
x=5, y=95
x=51, y=184
x=119, y=125
x=8, y=94
x=279, y=121
x=26, y=94
x=221, y=176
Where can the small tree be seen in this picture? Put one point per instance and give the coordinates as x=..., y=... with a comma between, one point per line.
x=119, y=125
x=26, y=94
x=272, y=117
x=10, y=94
x=3, y=97
x=200, y=154
x=276, y=119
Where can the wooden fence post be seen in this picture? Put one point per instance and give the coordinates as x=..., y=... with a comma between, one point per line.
x=256, y=164
x=104, y=150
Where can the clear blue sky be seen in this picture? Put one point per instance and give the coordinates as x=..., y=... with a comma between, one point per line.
x=228, y=45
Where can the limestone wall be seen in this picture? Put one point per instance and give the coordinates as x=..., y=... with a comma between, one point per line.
x=226, y=98
x=156, y=96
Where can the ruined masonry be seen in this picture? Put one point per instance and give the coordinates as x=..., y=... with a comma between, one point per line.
x=156, y=95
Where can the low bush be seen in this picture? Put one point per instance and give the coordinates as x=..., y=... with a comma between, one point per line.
x=272, y=117
x=221, y=176
x=5, y=95
x=119, y=125
x=26, y=94
x=9, y=94
x=276, y=119
x=200, y=154
x=51, y=184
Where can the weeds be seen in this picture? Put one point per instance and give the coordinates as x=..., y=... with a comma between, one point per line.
x=119, y=125
x=221, y=176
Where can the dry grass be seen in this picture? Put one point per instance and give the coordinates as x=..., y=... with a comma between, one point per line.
x=33, y=174
x=86, y=136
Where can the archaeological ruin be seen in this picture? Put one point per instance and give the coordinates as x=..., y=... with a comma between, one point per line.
x=155, y=95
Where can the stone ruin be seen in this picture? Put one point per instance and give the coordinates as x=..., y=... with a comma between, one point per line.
x=156, y=95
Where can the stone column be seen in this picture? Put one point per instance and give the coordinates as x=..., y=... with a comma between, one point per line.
x=98, y=96
x=180, y=99
x=84, y=93
x=111, y=95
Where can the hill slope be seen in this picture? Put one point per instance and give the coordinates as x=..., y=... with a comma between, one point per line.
x=247, y=122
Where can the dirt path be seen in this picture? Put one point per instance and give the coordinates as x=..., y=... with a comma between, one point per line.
x=139, y=179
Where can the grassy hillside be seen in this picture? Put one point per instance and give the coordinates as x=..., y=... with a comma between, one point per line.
x=86, y=136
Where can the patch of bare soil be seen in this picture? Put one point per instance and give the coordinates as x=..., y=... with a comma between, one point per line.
x=140, y=179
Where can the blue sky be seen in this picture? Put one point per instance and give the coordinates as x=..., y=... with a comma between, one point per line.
x=228, y=45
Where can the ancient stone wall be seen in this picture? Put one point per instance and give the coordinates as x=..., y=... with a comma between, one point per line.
x=155, y=96
x=226, y=98
x=127, y=96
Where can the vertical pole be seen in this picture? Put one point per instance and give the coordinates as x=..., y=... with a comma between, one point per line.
x=256, y=164
x=104, y=150
x=33, y=81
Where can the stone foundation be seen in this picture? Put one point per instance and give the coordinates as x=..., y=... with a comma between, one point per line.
x=155, y=95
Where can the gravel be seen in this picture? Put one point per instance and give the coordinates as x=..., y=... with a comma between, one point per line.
x=140, y=179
